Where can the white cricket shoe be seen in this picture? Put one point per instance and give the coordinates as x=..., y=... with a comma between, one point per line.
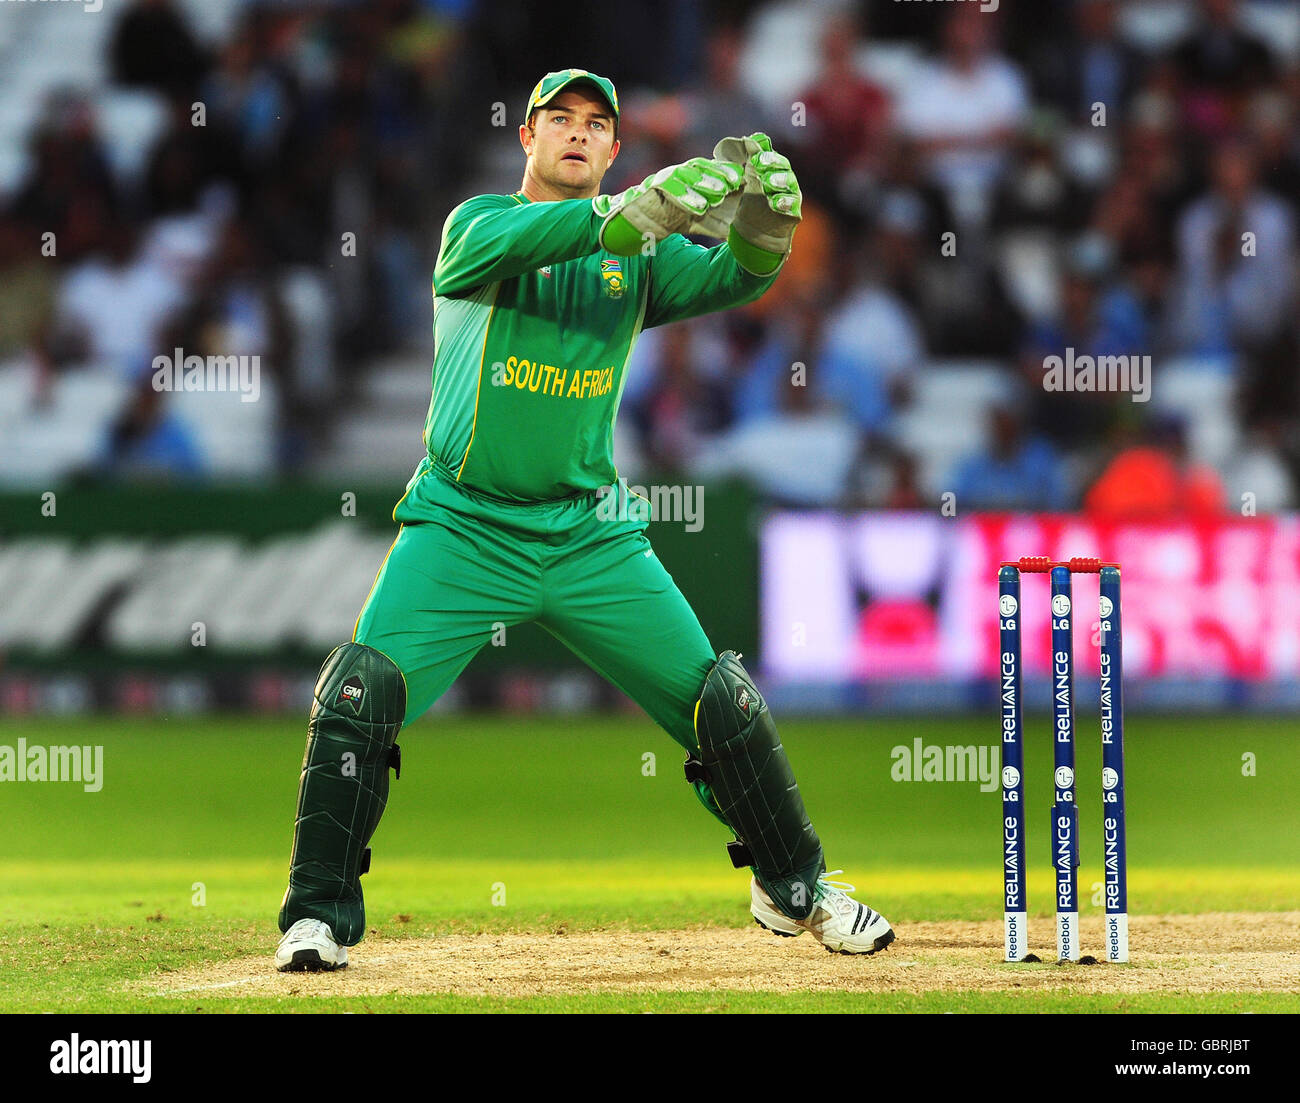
x=309, y=947
x=837, y=921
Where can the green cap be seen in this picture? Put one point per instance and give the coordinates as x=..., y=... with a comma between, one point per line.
x=553, y=84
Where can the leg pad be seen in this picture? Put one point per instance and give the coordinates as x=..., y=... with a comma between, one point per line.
x=360, y=702
x=747, y=773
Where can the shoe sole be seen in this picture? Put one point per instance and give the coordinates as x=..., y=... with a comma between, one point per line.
x=779, y=934
x=881, y=943
x=309, y=961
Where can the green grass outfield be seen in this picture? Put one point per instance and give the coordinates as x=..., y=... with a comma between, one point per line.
x=97, y=890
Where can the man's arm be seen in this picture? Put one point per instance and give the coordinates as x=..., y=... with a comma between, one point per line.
x=495, y=237
x=687, y=280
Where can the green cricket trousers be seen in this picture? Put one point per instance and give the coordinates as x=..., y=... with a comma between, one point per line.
x=465, y=566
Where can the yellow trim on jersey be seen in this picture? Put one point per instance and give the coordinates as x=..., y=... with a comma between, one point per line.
x=414, y=483
x=478, y=389
x=357, y=623
x=618, y=399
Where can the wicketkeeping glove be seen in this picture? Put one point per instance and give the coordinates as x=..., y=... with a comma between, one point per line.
x=770, y=207
x=699, y=196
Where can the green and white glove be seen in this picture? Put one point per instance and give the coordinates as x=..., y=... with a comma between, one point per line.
x=770, y=208
x=699, y=196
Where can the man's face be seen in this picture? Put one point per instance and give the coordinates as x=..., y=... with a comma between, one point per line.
x=571, y=143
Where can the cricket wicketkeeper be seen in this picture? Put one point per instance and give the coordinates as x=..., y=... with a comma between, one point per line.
x=539, y=298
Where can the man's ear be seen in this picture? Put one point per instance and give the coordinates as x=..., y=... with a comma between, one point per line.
x=613, y=151
x=525, y=139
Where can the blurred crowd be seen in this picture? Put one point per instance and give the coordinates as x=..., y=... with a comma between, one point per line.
x=1031, y=183
x=984, y=190
x=284, y=208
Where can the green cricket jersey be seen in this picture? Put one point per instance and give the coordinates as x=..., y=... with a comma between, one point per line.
x=533, y=327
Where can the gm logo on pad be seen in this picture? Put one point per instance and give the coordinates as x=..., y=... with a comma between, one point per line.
x=352, y=692
x=748, y=702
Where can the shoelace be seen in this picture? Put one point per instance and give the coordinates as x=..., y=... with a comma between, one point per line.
x=304, y=925
x=826, y=886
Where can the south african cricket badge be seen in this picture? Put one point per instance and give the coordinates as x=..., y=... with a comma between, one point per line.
x=611, y=272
